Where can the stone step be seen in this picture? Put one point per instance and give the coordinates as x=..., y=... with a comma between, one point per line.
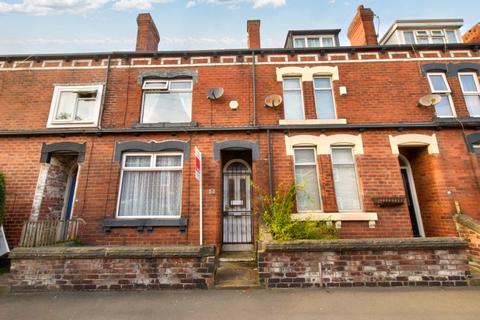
x=237, y=272
x=4, y=285
x=475, y=279
x=240, y=256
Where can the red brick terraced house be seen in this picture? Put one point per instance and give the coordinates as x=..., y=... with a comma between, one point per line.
x=110, y=138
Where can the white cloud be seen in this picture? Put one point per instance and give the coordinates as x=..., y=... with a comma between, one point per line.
x=46, y=7
x=137, y=4
x=236, y=3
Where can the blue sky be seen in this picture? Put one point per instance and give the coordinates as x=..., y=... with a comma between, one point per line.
x=50, y=26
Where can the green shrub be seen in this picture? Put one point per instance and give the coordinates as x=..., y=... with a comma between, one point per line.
x=2, y=197
x=276, y=214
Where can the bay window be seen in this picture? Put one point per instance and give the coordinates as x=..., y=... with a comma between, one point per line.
x=324, y=101
x=345, y=179
x=293, y=99
x=439, y=85
x=167, y=101
x=306, y=178
x=151, y=185
x=471, y=92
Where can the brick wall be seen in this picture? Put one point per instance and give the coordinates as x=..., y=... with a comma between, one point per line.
x=378, y=262
x=76, y=269
x=469, y=229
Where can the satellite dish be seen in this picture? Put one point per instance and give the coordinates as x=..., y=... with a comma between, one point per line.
x=273, y=100
x=215, y=93
x=429, y=100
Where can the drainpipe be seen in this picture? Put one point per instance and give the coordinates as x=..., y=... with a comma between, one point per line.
x=104, y=92
x=270, y=167
x=254, y=89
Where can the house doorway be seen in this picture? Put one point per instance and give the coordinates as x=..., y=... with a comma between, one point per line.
x=237, y=208
x=411, y=197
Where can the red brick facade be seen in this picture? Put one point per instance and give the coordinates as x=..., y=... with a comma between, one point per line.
x=383, y=86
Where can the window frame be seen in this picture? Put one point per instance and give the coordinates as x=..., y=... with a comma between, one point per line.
x=357, y=180
x=54, y=105
x=429, y=34
x=447, y=92
x=331, y=90
x=299, y=78
x=151, y=168
x=476, y=148
x=314, y=149
x=470, y=93
x=319, y=38
x=165, y=91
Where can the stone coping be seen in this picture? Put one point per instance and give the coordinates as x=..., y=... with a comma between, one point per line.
x=112, y=252
x=468, y=222
x=365, y=244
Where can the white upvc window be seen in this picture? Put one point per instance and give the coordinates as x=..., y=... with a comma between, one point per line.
x=306, y=179
x=150, y=185
x=476, y=148
x=293, y=99
x=471, y=92
x=75, y=106
x=167, y=101
x=439, y=85
x=438, y=36
x=345, y=179
x=324, y=100
x=313, y=41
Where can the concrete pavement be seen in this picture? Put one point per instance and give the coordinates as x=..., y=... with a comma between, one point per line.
x=352, y=303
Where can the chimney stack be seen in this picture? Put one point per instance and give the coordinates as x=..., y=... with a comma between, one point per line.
x=472, y=35
x=253, y=30
x=147, y=33
x=361, y=31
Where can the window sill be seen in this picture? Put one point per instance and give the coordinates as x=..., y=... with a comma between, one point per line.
x=165, y=125
x=140, y=224
x=312, y=121
x=338, y=217
x=72, y=125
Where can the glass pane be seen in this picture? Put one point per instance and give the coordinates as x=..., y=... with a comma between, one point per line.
x=451, y=36
x=155, y=85
x=409, y=38
x=231, y=193
x=85, y=110
x=169, y=161
x=137, y=161
x=476, y=148
x=299, y=43
x=304, y=156
x=181, y=85
x=438, y=82
x=346, y=189
x=468, y=83
x=422, y=40
x=324, y=104
x=342, y=156
x=328, y=42
x=237, y=166
x=66, y=105
x=155, y=193
x=313, y=42
x=322, y=83
x=291, y=83
x=473, y=105
x=243, y=193
x=293, y=105
x=167, y=107
x=308, y=193
x=443, y=108
x=437, y=40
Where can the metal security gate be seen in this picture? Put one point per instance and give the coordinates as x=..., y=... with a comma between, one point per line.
x=237, y=214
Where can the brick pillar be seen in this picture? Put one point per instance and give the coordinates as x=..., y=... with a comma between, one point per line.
x=253, y=30
x=361, y=31
x=147, y=33
x=472, y=35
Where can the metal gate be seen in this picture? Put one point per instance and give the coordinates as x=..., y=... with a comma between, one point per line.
x=237, y=214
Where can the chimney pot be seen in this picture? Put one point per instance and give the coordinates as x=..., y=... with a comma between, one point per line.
x=361, y=31
x=472, y=35
x=147, y=33
x=253, y=31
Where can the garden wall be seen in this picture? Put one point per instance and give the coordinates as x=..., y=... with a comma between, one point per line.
x=469, y=229
x=364, y=262
x=111, y=268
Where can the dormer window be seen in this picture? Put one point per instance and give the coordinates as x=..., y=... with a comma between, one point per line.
x=313, y=41
x=75, y=106
x=430, y=36
x=167, y=101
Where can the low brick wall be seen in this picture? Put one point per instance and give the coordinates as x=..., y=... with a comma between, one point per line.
x=364, y=262
x=469, y=229
x=111, y=268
